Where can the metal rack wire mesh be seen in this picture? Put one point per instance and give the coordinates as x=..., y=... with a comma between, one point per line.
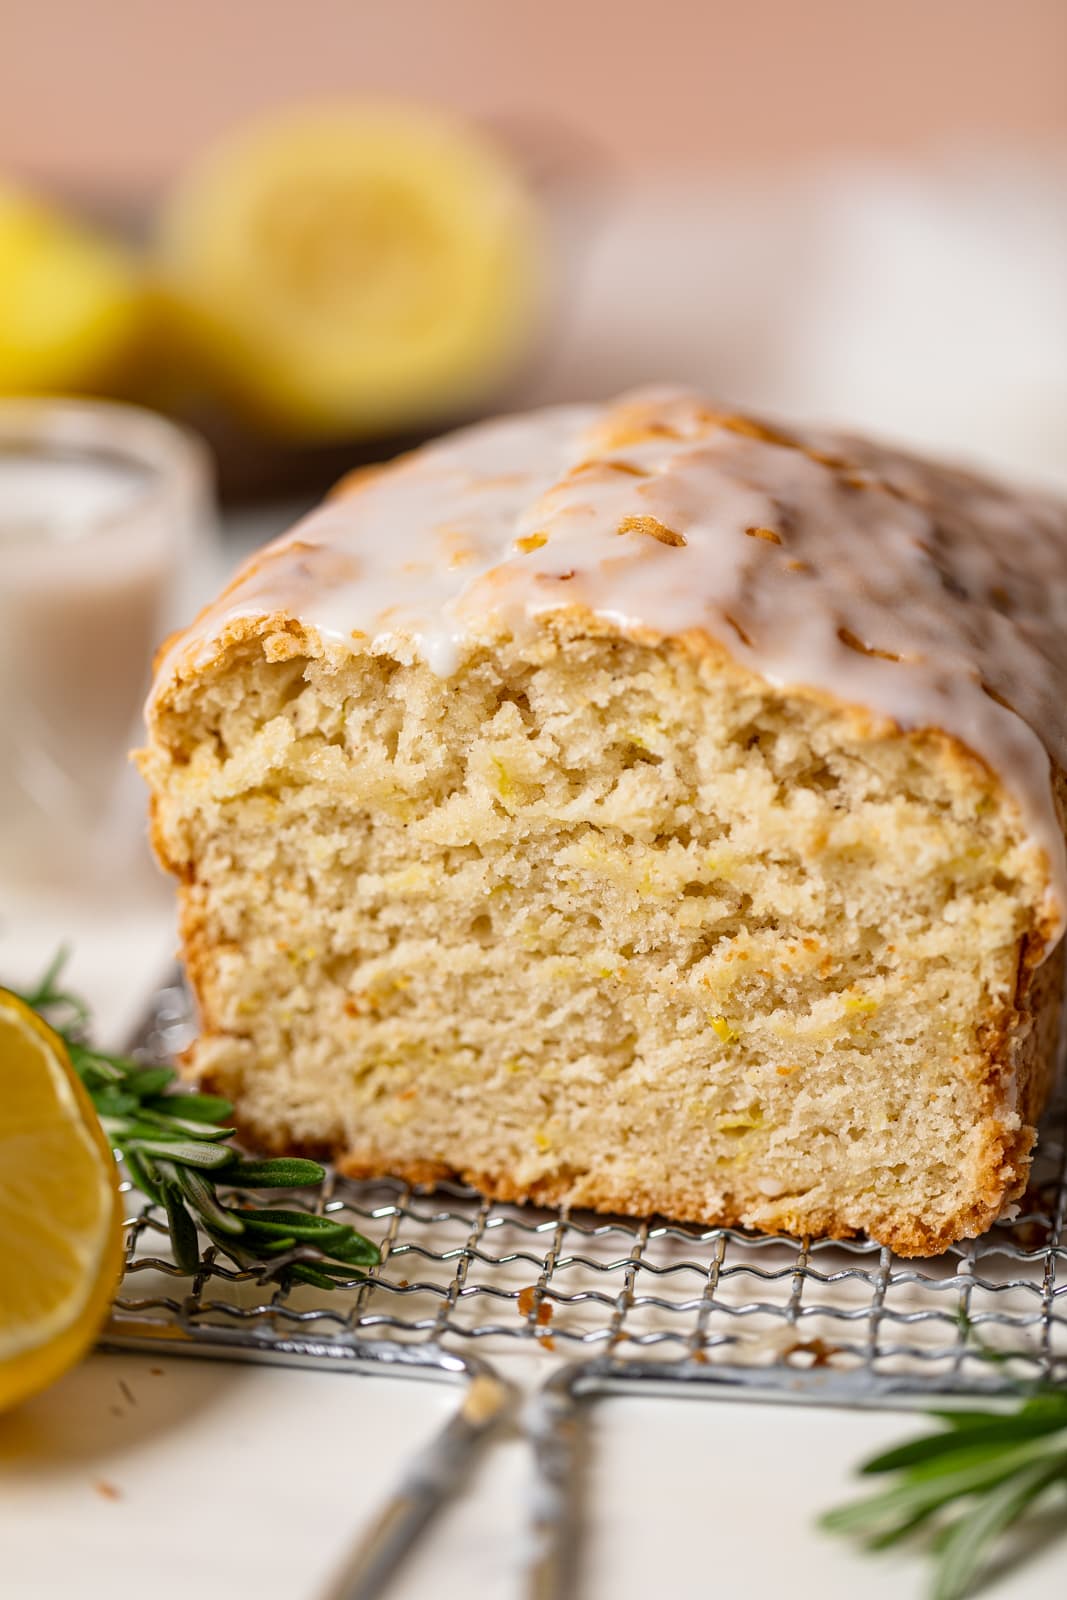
x=647, y=1298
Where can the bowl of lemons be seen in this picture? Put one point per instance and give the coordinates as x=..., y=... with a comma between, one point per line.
x=329, y=278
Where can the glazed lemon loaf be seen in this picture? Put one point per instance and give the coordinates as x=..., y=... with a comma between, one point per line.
x=638, y=807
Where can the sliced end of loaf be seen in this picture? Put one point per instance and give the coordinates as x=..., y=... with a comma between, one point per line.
x=607, y=922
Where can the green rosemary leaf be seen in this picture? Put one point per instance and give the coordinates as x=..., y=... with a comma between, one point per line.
x=304, y=1272
x=147, y=1081
x=252, y=1252
x=339, y=1272
x=150, y=1123
x=132, y=1070
x=45, y=992
x=93, y=1069
x=974, y=1535
x=201, y=1196
x=187, y=1152
x=140, y=1171
x=952, y=1444
x=190, y=1107
x=963, y=1419
x=122, y=1129
x=872, y=1516
x=898, y=1531
x=354, y=1250
x=316, y=1230
x=183, y=1238
x=273, y=1244
x=114, y=1103
x=48, y=998
x=242, y=1254
x=84, y=1056
x=135, y=1127
x=285, y=1172
x=994, y=1459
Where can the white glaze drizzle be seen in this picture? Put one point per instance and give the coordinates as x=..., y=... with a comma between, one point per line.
x=961, y=583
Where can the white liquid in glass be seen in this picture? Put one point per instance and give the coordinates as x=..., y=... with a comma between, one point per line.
x=87, y=562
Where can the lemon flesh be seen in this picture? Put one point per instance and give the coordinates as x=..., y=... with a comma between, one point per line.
x=60, y=1214
x=356, y=269
x=72, y=306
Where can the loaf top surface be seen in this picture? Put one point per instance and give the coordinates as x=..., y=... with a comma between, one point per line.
x=929, y=596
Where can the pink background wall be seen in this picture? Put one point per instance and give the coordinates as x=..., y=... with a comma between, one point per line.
x=115, y=93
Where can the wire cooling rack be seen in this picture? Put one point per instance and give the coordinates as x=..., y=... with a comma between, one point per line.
x=638, y=1305
x=812, y=1318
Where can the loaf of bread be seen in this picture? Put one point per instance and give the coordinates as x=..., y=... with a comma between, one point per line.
x=636, y=807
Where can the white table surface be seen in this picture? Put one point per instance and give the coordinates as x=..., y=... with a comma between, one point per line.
x=176, y=1478
x=173, y=1477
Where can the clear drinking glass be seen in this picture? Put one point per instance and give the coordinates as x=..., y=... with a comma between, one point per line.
x=105, y=530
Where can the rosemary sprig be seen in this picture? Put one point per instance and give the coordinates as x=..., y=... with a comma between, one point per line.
x=966, y=1486
x=175, y=1148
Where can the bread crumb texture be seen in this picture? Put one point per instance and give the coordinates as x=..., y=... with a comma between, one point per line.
x=608, y=923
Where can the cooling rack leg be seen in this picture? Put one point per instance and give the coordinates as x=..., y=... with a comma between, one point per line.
x=434, y=1476
x=553, y=1429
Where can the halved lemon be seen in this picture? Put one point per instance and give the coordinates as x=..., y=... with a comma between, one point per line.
x=354, y=270
x=60, y=1212
x=72, y=304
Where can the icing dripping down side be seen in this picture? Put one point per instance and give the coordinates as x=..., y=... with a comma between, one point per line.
x=926, y=595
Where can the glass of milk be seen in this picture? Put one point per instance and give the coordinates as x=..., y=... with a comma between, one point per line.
x=105, y=527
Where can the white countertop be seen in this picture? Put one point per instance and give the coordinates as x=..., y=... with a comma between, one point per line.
x=178, y=1477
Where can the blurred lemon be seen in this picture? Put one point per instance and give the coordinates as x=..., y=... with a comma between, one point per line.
x=72, y=304
x=60, y=1214
x=353, y=270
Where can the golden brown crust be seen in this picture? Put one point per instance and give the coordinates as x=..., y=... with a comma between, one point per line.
x=907, y=1236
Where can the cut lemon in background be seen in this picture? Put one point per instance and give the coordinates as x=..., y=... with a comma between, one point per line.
x=60, y=1213
x=72, y=304
x=354, y=270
